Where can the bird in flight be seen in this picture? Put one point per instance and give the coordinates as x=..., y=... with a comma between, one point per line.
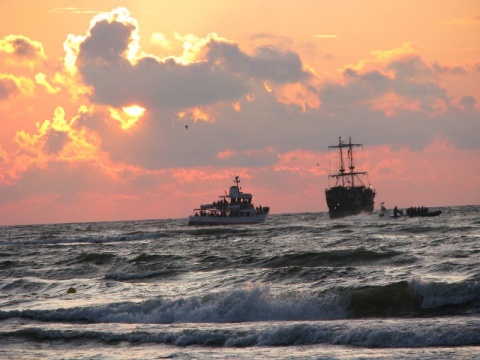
x=186, y=126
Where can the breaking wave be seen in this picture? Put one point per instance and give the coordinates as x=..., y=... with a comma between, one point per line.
x=402, y=299
x=381, y=335
x=331, y=258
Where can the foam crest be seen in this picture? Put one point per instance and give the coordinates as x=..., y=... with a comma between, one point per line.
x=380, y=335
x=250, y=305
x=402, y=299
x=437, y=294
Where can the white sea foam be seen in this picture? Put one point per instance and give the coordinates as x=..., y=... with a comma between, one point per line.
x=383, y=334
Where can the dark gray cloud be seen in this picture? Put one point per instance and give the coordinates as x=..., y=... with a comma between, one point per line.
x=412, y=79
x=468, y=101
x=267, y=63
x=106, y=45
x=56, y=140
x=22, y=47
x=224, y=76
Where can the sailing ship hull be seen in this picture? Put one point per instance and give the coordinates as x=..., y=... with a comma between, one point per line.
x=219, y=220
x=348, y=201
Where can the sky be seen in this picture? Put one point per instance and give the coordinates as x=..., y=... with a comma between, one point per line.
x=126, y=110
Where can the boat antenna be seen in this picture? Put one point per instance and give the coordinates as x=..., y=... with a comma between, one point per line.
x=237, y=181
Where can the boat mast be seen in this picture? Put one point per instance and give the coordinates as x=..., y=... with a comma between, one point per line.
x=350, y=177
x=342, y=167
x=350, y=157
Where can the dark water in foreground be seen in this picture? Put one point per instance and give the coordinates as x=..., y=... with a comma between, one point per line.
x=297, y=286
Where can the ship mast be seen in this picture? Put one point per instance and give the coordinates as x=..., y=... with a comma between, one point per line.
x=350, y=157
x=346, y=177
x=342, y=167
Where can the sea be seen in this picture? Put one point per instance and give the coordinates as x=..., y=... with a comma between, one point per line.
x=299, y=286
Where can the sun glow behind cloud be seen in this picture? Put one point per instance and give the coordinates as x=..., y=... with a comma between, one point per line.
x=129, y=116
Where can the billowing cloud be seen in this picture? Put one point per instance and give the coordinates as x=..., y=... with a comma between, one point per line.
x=159, y=128
x=407, y=77
x=11, y=85
x=234, y=92
x=106, y=59
x=59, y=141
x=41, y=79
x=20, y=50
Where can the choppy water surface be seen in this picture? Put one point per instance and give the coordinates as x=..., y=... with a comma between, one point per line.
x=297, y=286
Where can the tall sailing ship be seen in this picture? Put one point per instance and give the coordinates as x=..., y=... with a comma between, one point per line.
x=350, y=195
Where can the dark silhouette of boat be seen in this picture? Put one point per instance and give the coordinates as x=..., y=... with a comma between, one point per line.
x=422, y=212
x=350, y=195
x=410, y=212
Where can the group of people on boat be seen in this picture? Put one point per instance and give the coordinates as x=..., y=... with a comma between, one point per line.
x=222, y=211
x=411, y=212
x=213, y=213
x=262, y=210
x=417, y=211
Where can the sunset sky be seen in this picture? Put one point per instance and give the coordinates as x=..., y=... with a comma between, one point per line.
x=95, y=97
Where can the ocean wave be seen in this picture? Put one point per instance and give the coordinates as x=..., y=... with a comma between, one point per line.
x=415, y=298
x=219, y=230
x=395, y=299
x=7, y=264
x=249, y=305
x=26, y=285
x=399, y=299
x=95, y=258
x=329, y=258
x=145, y=258
x=122, y=276
x=439, y=294
x=59, y=240
x=379, y=335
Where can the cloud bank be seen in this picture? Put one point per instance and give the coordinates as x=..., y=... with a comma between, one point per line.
x=137, y=120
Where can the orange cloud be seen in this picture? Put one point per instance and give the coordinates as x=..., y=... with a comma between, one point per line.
x=199, y=175
x=302, y=162
x=11, y=85
x=298, y=94
x=391, y=103
x=380, y=58
x=56, y=140
x=18, y=50
x=225, y=154
x=41, y=79
x=67, y=142
x=197, y=114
